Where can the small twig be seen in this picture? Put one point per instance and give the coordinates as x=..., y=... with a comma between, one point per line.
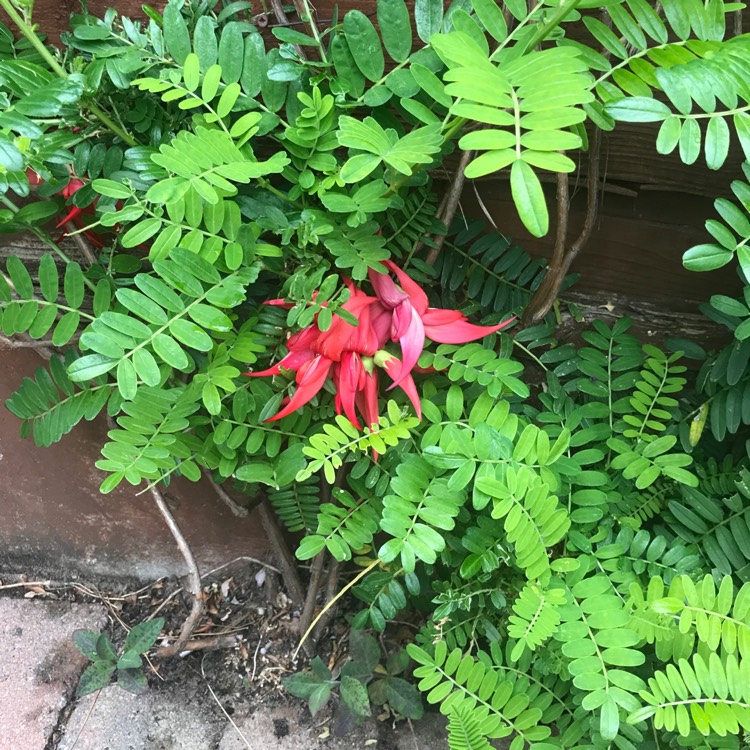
x=737, y=23
x=214, y=643
x=86, y=720
x=451, y=204
x=223, y=710
x=72, y=231
x=316, y=578
x=563, y=212
x=25, y=583
x=194, y=584
x=223, y=495
x=32, y=343
x=284, y=556
x=332, y=585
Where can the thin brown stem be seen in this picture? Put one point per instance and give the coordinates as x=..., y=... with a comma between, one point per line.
x=193, y=579
x=286, y=561
x=332, y=585
x=81, y=243
x=546, y=294
x=316, y=578
x=223, y=495
x=563, y=211
x=451, y=204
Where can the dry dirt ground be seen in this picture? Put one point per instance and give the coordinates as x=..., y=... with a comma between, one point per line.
x=227, y=698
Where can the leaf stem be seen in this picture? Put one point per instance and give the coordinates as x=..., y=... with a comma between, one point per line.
x=30, y=34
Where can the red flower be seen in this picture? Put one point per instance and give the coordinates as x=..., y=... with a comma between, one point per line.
x=351, y=355
x=413, y=319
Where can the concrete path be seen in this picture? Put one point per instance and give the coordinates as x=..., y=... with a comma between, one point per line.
x=39, y=671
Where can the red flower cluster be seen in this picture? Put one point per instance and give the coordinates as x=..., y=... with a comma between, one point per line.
x=352, y=355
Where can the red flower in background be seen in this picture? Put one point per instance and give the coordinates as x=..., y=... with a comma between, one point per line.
x=351, y=355
x=75, y=214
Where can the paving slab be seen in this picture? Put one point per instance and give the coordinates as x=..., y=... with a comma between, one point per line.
x=39, y=666
x=170, y=719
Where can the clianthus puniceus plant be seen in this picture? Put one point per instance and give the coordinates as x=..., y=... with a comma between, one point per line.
x=566, y=527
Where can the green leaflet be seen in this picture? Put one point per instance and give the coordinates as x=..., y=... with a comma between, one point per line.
x=364, y=45
x=395, y=27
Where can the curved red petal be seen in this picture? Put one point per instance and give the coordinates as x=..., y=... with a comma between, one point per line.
x=416, y=293
x=461, y=332
x=310, y=379
x=393, y=367
x=385, y=289
x=292, y=361
x=437, y=316
x=412, y=343
x=349, y=375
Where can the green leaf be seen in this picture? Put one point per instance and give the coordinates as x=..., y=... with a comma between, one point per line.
x=141, y=232
x=21, y=278
x=85, y=642
x=529, y=198
x=191, y=74
x=89, y=367
x=127, y=379
x=690, y=142
x=428, y=15
x=10, y=157
x=364, y=44
x=395, y=27
x=176, y=35
x=354, y=696
x=706, y=257
x=319, y=698
x=49, y=282
x=111, y=189
x=143, y=636
x=717, y=142
x=96, y=677
x=491, y=16
x=638, y=109
x=132, y=680
x=231, y=52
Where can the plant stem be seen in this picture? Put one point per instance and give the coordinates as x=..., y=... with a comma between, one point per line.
x=283, y=555
x=28, y=31
x=193, y=585
x=555, y=20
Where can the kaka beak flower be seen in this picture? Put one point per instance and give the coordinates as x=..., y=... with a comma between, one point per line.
x=352, y=354
x=413, y=319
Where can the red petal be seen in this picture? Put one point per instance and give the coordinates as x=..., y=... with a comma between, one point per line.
x=367, y=402
x=72, y=187
x=348, y=382
x=416, y=293
x=292, y=361
x=72, y=215
x=437, y=316
x=310, y=379
x=412, y=343
x=393, y=367
x=385, y=289
x=461, y=331
x=279, y=303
